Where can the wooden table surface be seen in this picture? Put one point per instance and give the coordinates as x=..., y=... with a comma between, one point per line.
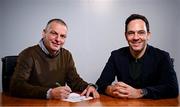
x=6, y=100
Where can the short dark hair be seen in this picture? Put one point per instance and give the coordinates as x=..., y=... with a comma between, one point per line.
x=56, y=20
x=137, y=16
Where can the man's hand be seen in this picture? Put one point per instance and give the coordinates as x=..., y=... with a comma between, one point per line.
x=60, y=92
x=90, y=90
x=122, y=90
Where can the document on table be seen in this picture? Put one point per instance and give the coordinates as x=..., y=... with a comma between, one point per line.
x=74, y=97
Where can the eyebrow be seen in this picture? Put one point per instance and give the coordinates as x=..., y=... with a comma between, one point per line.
x=53, y=31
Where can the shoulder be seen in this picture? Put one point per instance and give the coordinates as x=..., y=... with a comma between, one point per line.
x=158, y=55
x=157, y=52
x=28, y=51
x=65, y=51
x=26, y=56
x=121, y=51
x=120, y=54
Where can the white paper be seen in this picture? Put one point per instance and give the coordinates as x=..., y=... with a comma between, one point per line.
x=74, y=97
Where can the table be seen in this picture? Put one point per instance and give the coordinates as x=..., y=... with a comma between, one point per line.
x=6, y=100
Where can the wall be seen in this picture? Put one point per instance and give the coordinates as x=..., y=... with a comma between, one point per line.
x=96, y=27
x=177, y=45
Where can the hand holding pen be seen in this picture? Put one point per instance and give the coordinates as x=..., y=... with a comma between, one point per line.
x=60, y=92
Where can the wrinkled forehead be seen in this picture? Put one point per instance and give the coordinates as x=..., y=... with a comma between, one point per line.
x=55, y=24
x=57, y=28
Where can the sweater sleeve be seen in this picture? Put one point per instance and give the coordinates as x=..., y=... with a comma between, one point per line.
x=107, y=75
x=19, y=85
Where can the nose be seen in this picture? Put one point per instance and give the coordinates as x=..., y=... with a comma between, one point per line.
x=136, y=36
x=59, y=39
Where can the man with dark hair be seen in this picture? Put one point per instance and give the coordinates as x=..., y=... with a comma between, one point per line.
x=142, y=71
x=47, y=70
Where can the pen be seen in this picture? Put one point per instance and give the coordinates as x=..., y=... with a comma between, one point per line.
x=68, y=88
x=58, y=84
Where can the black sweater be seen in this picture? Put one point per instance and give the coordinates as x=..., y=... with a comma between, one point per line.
x=157, y=76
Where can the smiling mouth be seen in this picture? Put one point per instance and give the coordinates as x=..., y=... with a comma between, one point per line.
x=55, y=44
x=136, y=43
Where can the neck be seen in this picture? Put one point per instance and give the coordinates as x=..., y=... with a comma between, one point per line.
x=138, y=54
x=46, y=50
x=53, y=53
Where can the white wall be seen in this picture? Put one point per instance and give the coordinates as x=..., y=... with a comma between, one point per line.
x=177, y=46
x=96, y=27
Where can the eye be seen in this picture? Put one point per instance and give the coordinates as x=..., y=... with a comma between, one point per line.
x=141, y=32
x=53, y=33
x=130, y=33
x=63, y=36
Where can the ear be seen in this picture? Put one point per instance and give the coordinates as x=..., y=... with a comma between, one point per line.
x=148, y=35
x=125, y=33
x=43, y=33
